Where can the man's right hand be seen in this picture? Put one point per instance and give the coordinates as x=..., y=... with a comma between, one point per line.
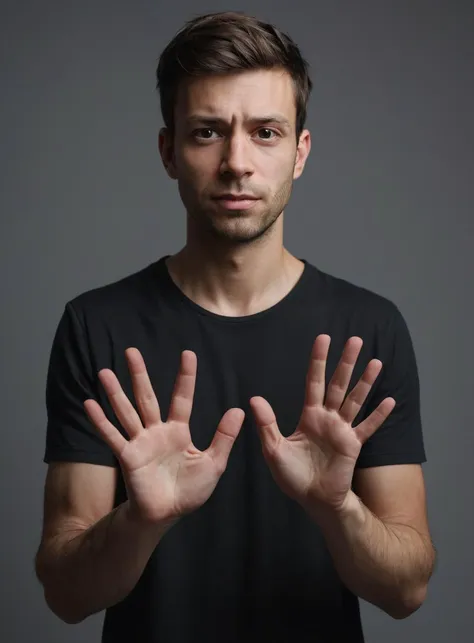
x=165, y=474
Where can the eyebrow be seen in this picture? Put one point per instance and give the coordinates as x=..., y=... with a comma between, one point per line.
x=257, y=120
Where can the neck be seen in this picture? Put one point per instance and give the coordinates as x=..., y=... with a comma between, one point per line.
x=237, y=281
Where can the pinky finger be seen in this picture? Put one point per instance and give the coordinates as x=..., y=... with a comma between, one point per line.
x=105, y=428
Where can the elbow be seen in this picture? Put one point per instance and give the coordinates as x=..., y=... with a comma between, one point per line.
x=66, y=618
x=69, y=620
x=62, y=610
x=407, y=605
x=57, y=605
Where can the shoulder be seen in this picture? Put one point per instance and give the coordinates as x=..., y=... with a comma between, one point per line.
x=358, y=302
x=114, y=299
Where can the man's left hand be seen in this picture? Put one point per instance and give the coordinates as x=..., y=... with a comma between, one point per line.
x=315, y=464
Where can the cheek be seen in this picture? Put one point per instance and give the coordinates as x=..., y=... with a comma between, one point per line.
x=277, y=160
x=277, y=170
x=197, y=167
x=194, y=178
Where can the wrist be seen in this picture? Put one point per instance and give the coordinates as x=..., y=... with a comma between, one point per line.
x=155, y=528
x=350, y=512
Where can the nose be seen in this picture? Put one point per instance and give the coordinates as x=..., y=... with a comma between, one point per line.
x=236, y=156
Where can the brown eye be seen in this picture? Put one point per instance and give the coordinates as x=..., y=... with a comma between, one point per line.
x=267, y=131
x=204, y=132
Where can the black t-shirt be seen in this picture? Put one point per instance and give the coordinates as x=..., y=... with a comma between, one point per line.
x=249, y=565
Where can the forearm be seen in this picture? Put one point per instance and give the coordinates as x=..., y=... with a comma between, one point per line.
x=88, y=570
x=387, y=564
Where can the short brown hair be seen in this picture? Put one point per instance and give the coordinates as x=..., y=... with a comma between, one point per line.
x=225, y=42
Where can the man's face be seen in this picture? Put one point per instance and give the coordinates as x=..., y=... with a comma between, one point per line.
x=235, y=135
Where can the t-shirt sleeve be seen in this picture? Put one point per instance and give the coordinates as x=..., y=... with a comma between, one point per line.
x=399, y=440
x=70, y=435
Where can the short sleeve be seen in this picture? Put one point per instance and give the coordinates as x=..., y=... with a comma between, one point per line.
x=70, y=435
x=399, y=440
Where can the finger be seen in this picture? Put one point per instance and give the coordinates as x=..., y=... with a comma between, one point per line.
x=123, y=408
x=267, y=426
x=337, y=387
x=375, y=420
x=358, y=395
x=183, y=392
x=105, y=428
x=143, y=392
x=315, y=379
x=225, y=436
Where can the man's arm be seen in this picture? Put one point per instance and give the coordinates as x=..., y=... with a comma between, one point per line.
x=85, y=561
x=383, y=552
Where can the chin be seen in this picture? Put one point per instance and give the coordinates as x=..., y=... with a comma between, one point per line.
x=239, y=230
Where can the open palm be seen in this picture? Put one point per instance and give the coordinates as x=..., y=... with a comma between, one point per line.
x=165, y=474
x=316, y=463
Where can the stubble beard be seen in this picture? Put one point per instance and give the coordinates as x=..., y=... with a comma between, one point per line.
x=242, y=226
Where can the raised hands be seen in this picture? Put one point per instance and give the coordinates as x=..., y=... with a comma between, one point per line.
x=165, y=474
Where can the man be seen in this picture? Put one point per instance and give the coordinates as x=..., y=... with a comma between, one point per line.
x=257, y=499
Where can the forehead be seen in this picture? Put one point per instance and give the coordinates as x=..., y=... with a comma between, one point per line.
x=247, y=94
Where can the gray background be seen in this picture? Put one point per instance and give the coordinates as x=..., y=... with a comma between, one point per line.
x=385, y=201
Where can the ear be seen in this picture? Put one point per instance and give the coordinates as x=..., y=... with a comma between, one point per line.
x=302, y=153
x=165, y=145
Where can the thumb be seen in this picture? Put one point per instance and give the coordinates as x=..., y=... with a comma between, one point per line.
x=267, y=426
x=227, y=431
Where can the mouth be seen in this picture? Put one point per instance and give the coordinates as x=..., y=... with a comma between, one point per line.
x=236, y=202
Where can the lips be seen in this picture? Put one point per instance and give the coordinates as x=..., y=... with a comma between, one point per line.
x=235, y=197
x=236, y=202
